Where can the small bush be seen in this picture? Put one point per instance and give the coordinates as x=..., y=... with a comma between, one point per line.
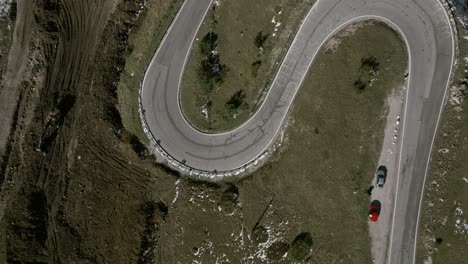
x=211, y=70
x=301, y=246
x=370, y=62
x=260, y=234
x=260, y=39
x=359, y=85
x=367, y=72
x=277, y=250
x=229, y=199
x=138, y=147
x=237, y=99
x=208, y=43
x=255, y=67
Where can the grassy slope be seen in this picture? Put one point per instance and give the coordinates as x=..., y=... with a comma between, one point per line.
x=445, y=181
x=319, y=177
x=238, y=23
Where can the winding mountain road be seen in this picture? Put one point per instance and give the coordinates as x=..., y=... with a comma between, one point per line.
x=426, y=29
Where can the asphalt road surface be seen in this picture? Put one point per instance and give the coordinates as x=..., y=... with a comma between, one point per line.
x=426, y=29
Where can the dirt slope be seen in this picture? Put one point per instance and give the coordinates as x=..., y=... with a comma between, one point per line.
x=71, y=192
x=17, y=58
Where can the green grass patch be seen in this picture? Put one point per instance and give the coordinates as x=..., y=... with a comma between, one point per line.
x=442, y=236
x=236, y=54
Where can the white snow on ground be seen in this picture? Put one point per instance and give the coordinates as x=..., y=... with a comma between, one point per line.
x=456, y=95
x=276, y=23
x=273, y=235
x=205, y=111
x=428, y=260
x=177, y=191
x=444, y=150
x=461, y=224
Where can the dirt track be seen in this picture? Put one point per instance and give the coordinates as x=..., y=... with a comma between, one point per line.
x=80, y=199
x=17, y=57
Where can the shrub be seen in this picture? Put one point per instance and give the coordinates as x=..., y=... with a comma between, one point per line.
x=367, y=72
x=208, y=43
x=277, y=250
x=237, y=99
x=229, y=199
x=211, y=70
x=260, y=39
x=260, y=234
x=255, y=67
x=301, y=246
x=359, y=85
x=371, y=63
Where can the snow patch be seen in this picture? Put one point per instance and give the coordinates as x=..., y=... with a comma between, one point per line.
x=177, y=191
x=277, y=25
x=205, y=111
x=444, y=150
x=457, y=95
x=428, y=260
x=461, y=224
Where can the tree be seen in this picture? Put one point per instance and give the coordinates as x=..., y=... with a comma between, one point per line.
x=208, y=43
x=301, y=246
x=260, y=39
x=237, y=99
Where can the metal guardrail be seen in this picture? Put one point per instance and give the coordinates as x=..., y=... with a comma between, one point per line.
x=180, y=165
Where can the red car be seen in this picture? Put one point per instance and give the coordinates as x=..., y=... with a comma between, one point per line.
x=374, y=211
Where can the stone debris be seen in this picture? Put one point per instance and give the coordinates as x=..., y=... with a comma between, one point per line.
x=444, y=150
x=457, y=95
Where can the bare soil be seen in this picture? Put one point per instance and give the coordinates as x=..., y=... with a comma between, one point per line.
x=15, y=70
x=78, y=199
